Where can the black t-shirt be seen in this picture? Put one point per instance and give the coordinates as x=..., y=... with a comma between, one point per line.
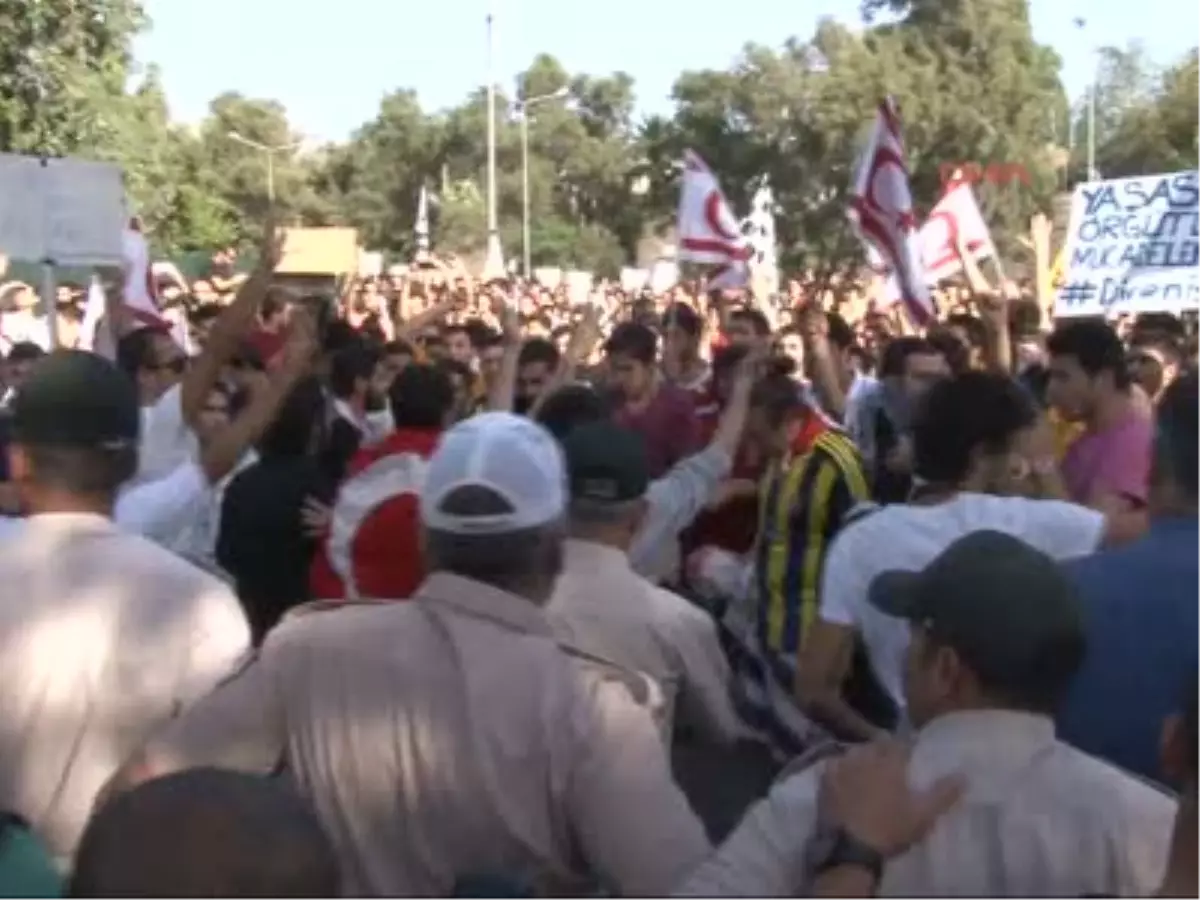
x=261, y=542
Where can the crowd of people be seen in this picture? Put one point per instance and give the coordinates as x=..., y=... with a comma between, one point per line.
x=440, y=586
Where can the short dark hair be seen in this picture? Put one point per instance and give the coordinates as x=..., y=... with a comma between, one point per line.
x=841, y=335
x=350, y=365
x=298, y=425
x=960, y=415
x=455, y=367
x=956, y=353
x=570, y=406
x=421, y=396
x=539, y=350
x=501, y=560
x=1176, y=451
x=25, y=351
x=894, y=361
x=135, y=350
x=684, y=318
x=338, y=335
x=1042, y=682
x=633, y=340
x=205, y=833
x=777, y=397
x=275, y=302
x=398, y=347
x=1094, y=345
x=94, y=471
x=755, y=318
x=726, y=360
x=972, y=326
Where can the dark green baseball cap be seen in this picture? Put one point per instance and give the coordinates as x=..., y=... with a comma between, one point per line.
x=1001, y=604
x=606, y=463
x=76, y=399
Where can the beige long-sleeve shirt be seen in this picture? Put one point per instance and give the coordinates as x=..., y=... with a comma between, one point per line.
x=1039, y=819
x=603, y=607
x=103, y=637
x=448, y=737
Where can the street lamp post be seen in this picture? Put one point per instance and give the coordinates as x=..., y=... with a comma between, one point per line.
x=494, y=264
x=269, y=152
x=526, y=106
x=1093, y=65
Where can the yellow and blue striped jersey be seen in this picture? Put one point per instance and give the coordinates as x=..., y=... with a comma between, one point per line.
x=804, y=499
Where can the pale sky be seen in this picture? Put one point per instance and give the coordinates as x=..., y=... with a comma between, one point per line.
x=330, y=63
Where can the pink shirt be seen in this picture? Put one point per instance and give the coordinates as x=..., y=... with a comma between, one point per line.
x=1113, y=461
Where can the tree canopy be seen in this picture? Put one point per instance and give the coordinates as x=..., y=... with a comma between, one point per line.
x=971, y=83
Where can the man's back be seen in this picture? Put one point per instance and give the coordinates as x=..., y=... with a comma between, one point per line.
x=1140, y=609
x=448, y=738
x=1038, y=818
x=107, y=635
x=603, y=607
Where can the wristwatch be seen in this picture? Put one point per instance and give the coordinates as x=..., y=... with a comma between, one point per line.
x=831, y=848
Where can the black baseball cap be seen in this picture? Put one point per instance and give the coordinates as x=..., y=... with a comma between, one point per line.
x=606, y=463
x=72, y=398
x=1001, y=604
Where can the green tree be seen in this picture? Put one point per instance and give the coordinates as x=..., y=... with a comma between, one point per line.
x=232, y=163
x=63, y=67
x=374, y=180
x=1146, y=119
x=971, y=84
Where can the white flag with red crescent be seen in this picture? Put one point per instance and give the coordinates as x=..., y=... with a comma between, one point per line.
x=955, y=219
x=141, y=293
x=708, y=231
x=881, y=211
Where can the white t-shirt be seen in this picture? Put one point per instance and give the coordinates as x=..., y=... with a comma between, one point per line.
x=904, y=537
x=167, y=441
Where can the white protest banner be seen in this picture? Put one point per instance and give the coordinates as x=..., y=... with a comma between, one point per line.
x=548, y=277
x=664, y=275
x=1132, y=247
x=634, y=280
x=65, y=211
x=579, y=287
x=370, y=264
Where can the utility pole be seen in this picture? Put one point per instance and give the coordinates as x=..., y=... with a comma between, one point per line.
x=494, y=264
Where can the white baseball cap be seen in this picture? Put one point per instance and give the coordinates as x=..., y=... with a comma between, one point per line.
x=511, y=456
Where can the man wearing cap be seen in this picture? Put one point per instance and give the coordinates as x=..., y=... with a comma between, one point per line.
x=107, y=635
x=998, y=636
x=603, y=607
x=450, y=738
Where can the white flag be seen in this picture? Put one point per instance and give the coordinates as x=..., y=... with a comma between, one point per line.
x=759, y=229
x=955, y=220
x=707, y=228
x=141, y=293
x=93, y=312
x=422, y=228
x=881, y=211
